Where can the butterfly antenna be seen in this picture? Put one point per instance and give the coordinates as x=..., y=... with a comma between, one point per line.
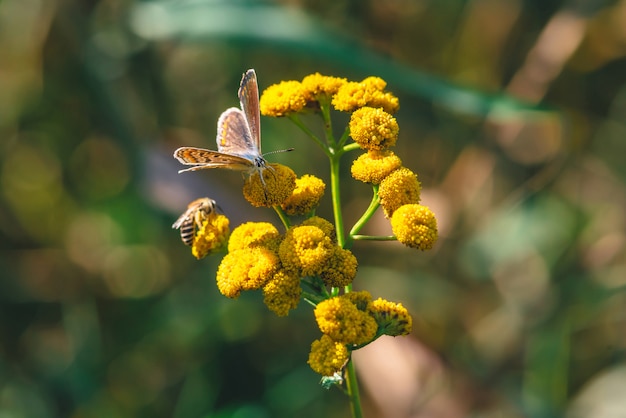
x=280, y=150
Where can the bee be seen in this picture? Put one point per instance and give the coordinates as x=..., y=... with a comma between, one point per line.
x=197, y=211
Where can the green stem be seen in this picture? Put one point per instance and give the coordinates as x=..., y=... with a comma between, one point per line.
x=295, y=119
x=283, y=216
x=336, y=197
x=344, y=136
x=328, y=125
x=353, y=390
x=367, y=215
x=351, y=147
x=374, y=237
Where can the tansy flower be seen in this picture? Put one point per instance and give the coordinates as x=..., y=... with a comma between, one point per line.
x=251, y=234
x=340, y=269
x=342, y=321
x=283, y=98
x=280, y=181
x=305, y=249
x=369, y=92
x=305, y=197
x=282, y=292
x=319, y=86
x=373, y=129
x=246, y=269
x=392, y=318
x=211, y=237
x=327, y=227
x=399, y=188
x=373, y=166
x=327, y=356
x=361, y=300
x=415, y=226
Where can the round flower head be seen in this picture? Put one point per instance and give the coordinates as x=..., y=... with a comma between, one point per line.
x=369, y=92
x=373, y=166
x=341, y=320
x=279, y=182
x=251, y=234
x=319, y=86
x=373, y=128
x=327, y=227
x=246, y=269
x=340, y=269
x=399, y=188
x=305, y=250
x=361, y=300
x=282, y=292
x=283, y=98
x=305, y=197
x=415, y=226
x=327, y=356
x=212, y=237
x=392, y=318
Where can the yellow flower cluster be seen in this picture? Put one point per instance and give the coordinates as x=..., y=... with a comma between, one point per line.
x=353, y=320
x=261, y=258
x=283, y=98
x=373, y=166
x=415, y=226
x=327, y=356
x=392, y=318
x=369, y=92
x=212, y=237
x=306, y=196
x=399, y=188
x=276, y=185
x=293, y=96
x=373, y=128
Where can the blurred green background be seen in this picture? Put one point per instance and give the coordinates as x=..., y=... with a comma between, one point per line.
x=513, y=113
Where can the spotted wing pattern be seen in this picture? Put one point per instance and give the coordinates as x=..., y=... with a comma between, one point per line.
x=201, y=158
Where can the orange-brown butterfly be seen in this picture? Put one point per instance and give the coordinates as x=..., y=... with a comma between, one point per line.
x=238, y=136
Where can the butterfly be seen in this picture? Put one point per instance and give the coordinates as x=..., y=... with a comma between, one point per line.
x=238, y=136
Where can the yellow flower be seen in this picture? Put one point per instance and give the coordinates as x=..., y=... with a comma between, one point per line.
x=415, y=226
x=246, y=269
x=251, y=234
x=327, y=356
x=283, y=98
x=280, y=181
x=340, y=269
x=369, y=92
x=318, y=86
x=341, y=320
x=373, y=129
x=361, y=299
x=327, y=227
x=212, y=237
x=373, y=166
x=392, y=318
x=305, y=197
x=305, y=250
x=282, y=292
x=399, y=188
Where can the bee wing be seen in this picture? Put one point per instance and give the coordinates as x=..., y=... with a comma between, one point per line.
x=202, y=158
x=249, y=99
x=182, y=218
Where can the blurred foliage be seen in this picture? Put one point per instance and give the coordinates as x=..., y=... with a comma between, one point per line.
x=513, y=113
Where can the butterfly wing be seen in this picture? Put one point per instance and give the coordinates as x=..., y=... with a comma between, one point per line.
x=234, y=136
x=201, y=158
x=249, y=99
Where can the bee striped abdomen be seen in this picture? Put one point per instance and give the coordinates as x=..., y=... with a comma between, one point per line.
x=188, y=231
